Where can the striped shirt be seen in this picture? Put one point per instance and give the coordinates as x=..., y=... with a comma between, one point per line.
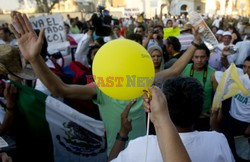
x=185, y=40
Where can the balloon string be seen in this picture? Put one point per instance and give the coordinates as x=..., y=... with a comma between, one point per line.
x=146, y=155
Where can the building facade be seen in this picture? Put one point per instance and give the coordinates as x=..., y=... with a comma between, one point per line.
x=228, y=7
x=152, y=7
x=179, y=7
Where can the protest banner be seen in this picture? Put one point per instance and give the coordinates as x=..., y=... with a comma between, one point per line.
x=207, y=35
x=171, y=32
x=54, y=30
x=127, y=12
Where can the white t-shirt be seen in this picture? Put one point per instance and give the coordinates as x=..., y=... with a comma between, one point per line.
x=240, y=104
x=201, y=147
x=243, y=51
x=216, y=23
x=185, y=40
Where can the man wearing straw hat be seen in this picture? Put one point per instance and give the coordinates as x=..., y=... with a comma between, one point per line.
x=12, y=64
x=186, y=36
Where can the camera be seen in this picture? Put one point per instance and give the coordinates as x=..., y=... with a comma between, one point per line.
x=102, y=21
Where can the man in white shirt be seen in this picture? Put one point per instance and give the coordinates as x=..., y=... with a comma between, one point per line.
x=237, y=121
x=186, y=37
x=215, y=59
x=185, y=99
x=216, y=22
x=243, y=51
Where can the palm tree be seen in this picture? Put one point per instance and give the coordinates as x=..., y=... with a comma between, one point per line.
x=45, y=6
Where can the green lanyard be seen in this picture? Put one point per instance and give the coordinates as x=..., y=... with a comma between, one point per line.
x=204, y=74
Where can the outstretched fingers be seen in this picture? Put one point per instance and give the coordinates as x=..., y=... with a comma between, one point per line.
x=27, y=23
x=21, y=19
x=20, y=23
x=13, y=29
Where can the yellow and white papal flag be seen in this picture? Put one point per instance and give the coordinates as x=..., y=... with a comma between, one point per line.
x=231, y=83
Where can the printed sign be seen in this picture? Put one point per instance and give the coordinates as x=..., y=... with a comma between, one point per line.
x=171, y=32
x=54, y=30
x=131, y=12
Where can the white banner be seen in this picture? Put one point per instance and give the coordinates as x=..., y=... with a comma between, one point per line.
x=127, y=12
x=54, y=30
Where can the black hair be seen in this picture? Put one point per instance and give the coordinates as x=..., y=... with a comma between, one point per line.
x=214, y=27
x=185, y=96
x=71, y=20
x=175, y=42
x=235, y=31
x=247, y=59
x=91, y=48
x=5, y=30
x=65, y=24
x=158, y=26
x=141, y=26
x=135, y=37
x=169, y=20
x=204, y=47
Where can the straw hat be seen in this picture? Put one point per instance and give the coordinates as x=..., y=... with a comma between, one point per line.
x=186, y=27
x=10, y=63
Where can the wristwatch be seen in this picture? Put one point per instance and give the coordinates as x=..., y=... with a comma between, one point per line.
x=194, y=44
x=123, y=139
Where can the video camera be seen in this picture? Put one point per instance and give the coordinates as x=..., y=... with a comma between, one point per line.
x=102, y=21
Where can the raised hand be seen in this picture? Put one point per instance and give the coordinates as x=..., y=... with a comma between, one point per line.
x=29, y=43
x=197, y=37
x=163, y=5
x=126, y=125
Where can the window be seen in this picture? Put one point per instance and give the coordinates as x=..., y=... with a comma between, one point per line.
x=184, y=8
x=198, y=8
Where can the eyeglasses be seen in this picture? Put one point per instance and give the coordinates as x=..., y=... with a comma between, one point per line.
x=139, y=31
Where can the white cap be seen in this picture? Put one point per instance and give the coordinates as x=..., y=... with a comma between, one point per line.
x=220, y=32
x=227, y=33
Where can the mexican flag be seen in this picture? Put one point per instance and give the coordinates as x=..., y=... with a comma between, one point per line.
x=49, y=130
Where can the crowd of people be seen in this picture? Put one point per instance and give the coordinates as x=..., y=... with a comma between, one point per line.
x=184, y=126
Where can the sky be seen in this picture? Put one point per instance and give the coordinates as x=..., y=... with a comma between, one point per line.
x=9, y=4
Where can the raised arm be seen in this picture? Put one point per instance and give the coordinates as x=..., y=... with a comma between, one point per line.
x=147, y=40
x=171, y=146
x=162, y=6
x=30, y=46
x=126, y=127
x=181, y=63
